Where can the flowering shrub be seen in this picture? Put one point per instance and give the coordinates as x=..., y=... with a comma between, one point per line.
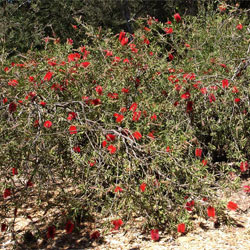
x=121, y=127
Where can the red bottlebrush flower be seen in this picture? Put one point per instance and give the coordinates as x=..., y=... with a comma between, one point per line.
x=118, y=189
x=137, y=135
x=71, y=116
x=133, y=107
x=104, y=144
x=6, y=69
x=198, y=152
x=168, y=149
x=29, y=183
x=136, y=116
x=12, y=107
x=224, y=83
x=151, y=135
x=170, y=57
x=177, y=87
x=13, y=83
x=203, y=90
x=124, y=90
x=48, y=76
x=153, y=117
x=69, y=227
x=119, y=117
x=84, y=64
x=126, y=60
x=189, y=106
x=110, y=137
x=51, y=232
x=146, y=41
x=190, y=205
x=212, y=98
x=239, y=27
x=177, y=17
x=77, y=149
x=5, y=100
x=124, y=41
x=92, y=164
x=204, y=162
x=223, y=65
x=123, y=109
x=187, y=45
x=72, y=130
x=43, y=104
x=236, y=100
x=243, y=166
x=14, y=171
x=232, y=206
x=147, y=29
x=111, y=149
x=155, y=234
x=47, y=124
x=246, y=189
x=181, y=228
x=122, y=35
x=96, y=101
x=143, y=187
x=95, y=235
x=108, y=53
x=98, y=89
x=185, y=95
x=7, y=193
x=3, y=227
x=169, y=30
x=36, y=123
x=211, y=211
x=117, y=224
x=113, y=95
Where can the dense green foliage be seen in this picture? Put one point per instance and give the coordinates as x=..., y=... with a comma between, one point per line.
x=166, y=111
x=24, y=23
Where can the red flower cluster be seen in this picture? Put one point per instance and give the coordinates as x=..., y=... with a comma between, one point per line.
x=117, y=224
x=155, y=234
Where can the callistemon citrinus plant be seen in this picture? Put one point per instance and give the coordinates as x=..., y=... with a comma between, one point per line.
x=149, y=124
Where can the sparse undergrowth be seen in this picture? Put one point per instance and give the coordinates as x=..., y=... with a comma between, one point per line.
x=146, y=125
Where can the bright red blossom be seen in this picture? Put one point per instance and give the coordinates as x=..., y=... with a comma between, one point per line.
x=243, y=166
x=111, y=149
x=155, y=234
x=47, y=124
x=72, y=130
x=117, y=224
x=210, y=211
x=118, y=189
x=143, y=186
x=232, y=206
x=110, y=137
x=177, y=17
x=239, y=27
x=137, y=135
x=181, y=228
x=48, y=76
x=225, y=83
x=71, y=116
x=198, y=152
